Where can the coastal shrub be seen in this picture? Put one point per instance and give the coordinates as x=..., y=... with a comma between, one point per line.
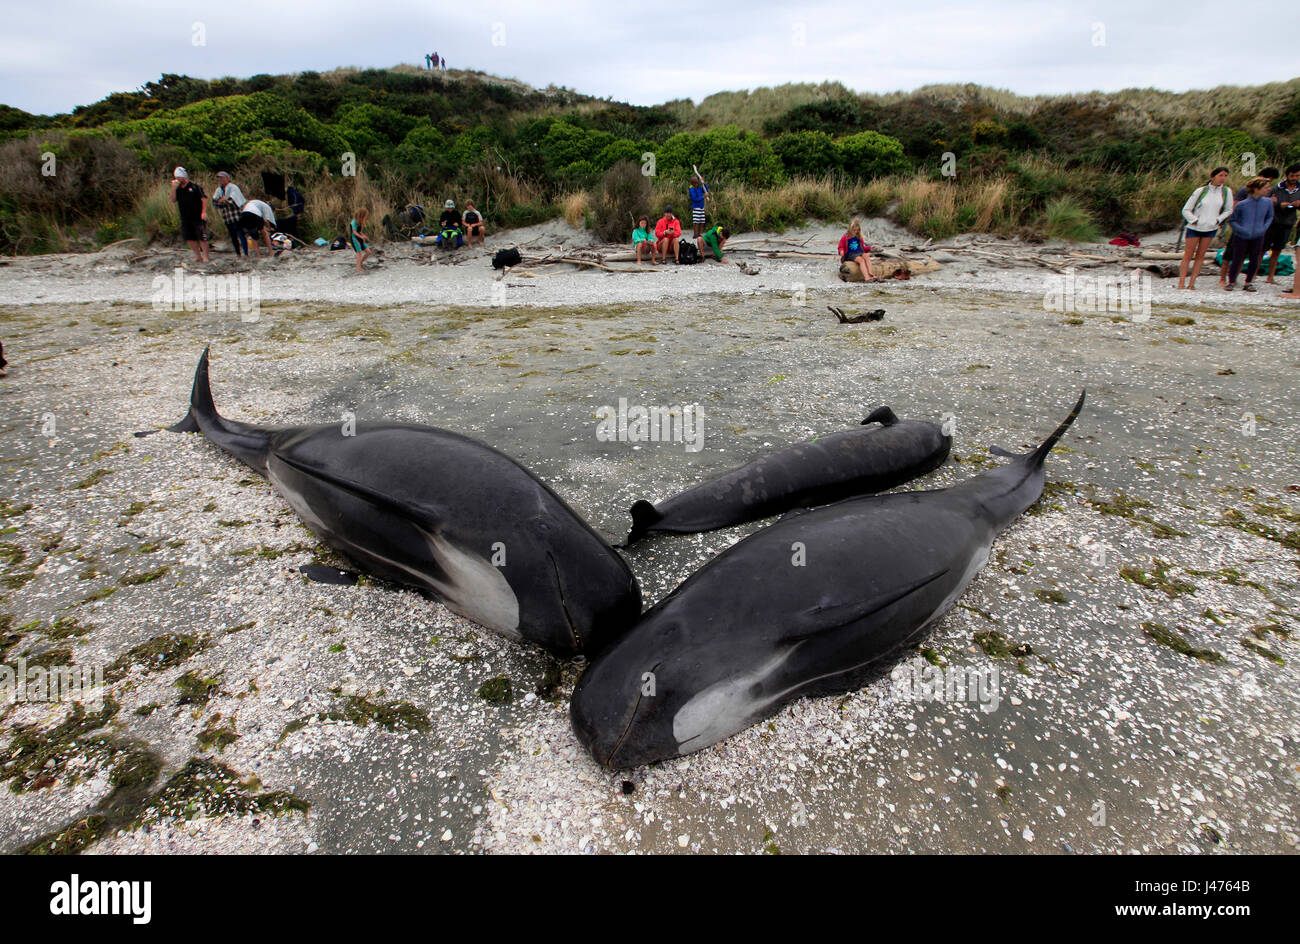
x=1065, y=218
x=624, y=194
x=724, y=155
x=870, y=154
x=807, y=153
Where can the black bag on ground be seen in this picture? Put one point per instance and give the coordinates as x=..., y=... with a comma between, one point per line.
x=505, y=258
x=688, y=253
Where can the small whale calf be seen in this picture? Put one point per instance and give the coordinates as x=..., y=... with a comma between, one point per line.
x=442, y=513
x=858, y=461
x=813, y=605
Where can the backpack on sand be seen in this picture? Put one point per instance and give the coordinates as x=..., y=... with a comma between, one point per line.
x=688, y=253
x=505, y=258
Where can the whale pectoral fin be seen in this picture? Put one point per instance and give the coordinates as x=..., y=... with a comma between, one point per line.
x=472, y=586
x=828, y=617
x=1004, y=453
x=319, y=573
x=882, y=415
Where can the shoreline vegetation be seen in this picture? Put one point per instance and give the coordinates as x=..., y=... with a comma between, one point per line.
x=940, y=161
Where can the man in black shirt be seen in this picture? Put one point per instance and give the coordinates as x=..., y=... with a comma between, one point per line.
x=1286, y=201
x=192, y=206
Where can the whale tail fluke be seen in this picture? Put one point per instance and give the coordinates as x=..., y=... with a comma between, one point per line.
x=882, y=415
x=644, y=517
x=245, y=442
x=1036, y=458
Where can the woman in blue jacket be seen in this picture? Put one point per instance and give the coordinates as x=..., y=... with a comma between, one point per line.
x=1251, y=219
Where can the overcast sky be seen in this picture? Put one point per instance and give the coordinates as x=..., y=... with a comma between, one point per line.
x=55, y=55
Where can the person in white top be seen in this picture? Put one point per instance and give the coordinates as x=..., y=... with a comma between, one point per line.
x=1204, y=211
x=258, y=219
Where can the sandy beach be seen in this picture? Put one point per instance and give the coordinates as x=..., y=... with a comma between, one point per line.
x=1141, y=618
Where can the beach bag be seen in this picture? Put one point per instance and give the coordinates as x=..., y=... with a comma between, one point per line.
x=688, y=253
x=449, y=238
x=339, y=243
x=505, y=258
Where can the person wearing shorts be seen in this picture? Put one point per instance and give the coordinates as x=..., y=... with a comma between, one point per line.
x=359, y=240
x=472, y=220
x=1286, y=203
x=698, y=191
x=1204, y=211
x=258, y=219
x=643, y=240
x=192, y=205
x=853, y=248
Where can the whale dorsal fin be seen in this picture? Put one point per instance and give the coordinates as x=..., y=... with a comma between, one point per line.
x=882, y=415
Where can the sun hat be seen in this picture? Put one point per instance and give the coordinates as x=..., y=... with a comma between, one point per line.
x=180, y=172
x=450, y=205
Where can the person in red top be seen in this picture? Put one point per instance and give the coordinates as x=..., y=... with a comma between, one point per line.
x=854, y=249
x=667, y=233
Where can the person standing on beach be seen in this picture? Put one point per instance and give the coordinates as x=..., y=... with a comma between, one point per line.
x=1286, y=201
x=229, y=200
x=1204, y=211
x=698, y=191
x=668, y=232
x=357, y=237
x=1270, y=174
x=1251, y=219
x=192, y=205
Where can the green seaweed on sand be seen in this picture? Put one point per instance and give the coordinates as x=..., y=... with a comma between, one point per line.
x=1178, y=642
x=1156, y=578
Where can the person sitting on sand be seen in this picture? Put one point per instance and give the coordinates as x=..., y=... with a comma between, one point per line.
x=360, y=241
x=1251, y=219
x=1204, y=211
x=668, y=233
x=853, y=249
x=715, y=239
x=450, y=216
x=258, y=220
x=191, y=204
x=643, y=240
x=472, y=220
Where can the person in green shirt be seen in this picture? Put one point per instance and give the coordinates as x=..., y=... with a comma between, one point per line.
x=643, y=238
x=715, y=239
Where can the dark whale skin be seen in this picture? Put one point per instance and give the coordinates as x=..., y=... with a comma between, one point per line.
x=751, y=631
x=858, y=461
x=432, y=509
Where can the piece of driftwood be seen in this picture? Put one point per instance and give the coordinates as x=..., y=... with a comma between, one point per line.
x=888, y=269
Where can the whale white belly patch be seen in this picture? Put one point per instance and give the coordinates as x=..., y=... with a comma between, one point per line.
x=470, y=585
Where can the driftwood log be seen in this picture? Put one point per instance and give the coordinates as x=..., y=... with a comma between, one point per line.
x=886, y=268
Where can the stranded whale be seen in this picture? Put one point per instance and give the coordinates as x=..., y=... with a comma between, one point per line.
x=445, y=514
x=839, y=465
x=812, y=605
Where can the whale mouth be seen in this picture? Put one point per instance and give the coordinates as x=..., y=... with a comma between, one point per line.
x=608, y=760
x=574, y=635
